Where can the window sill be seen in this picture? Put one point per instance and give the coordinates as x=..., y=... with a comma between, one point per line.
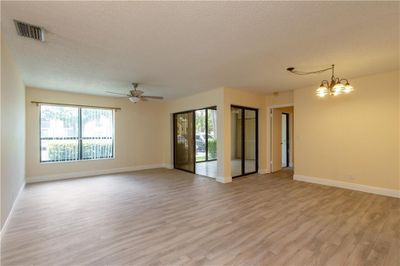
x=78, y=161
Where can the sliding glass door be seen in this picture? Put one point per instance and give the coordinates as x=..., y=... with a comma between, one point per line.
x=206, y=134
x=244, y=140
x=184, y=142
x=195, y=140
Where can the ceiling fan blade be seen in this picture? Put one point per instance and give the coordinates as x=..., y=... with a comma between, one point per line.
x=152, y=97
x=116, y=93
x=143, y=99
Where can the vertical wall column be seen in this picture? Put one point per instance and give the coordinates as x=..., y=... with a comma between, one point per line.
x=224, y=140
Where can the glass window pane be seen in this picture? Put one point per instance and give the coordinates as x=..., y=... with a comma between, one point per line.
x=97, y=123
x=59, y=132
x=97, y=148
x=58, y=121
x=54, y=150
x=97, y=133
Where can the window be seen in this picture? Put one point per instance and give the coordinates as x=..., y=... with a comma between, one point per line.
x=75, y=133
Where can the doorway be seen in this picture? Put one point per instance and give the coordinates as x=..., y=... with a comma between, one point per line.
x=282, y=141
x=195, y=141
x=244, y=141
x=285, y=140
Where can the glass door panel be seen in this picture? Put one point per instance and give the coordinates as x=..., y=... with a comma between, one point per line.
x=184, y=142
x=200, y=135
x=236, y=141
x=212, y=134
x=250, y=141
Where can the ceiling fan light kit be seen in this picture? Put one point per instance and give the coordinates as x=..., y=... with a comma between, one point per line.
x=335, y=87
x=134, y=99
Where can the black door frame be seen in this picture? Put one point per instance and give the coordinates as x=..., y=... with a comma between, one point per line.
x=287, y=139
x=243, y=108
x=193, y=111
x=174, y=139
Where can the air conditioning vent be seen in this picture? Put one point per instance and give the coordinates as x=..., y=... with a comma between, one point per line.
x=29, y=31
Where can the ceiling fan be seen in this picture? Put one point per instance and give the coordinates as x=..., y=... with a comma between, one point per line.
x=136, y=95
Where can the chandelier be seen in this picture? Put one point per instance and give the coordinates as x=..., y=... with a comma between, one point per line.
x=336, y=86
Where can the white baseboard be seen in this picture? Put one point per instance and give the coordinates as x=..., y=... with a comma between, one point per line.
x=168, y=165
x=263, y=171
x=222, y=179
x=3, y=229
x=341, y=184
x=34, y=179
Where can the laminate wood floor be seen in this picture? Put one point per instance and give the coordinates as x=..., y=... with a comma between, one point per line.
x=169, y=217
x=210, y=168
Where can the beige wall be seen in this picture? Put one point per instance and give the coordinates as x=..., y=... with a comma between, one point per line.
x=137, y=134
x=352, y=138
x=279, y=99
x=12, y=132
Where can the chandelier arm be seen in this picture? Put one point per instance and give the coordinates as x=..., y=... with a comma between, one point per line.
x=297, y=72
x=325, y=81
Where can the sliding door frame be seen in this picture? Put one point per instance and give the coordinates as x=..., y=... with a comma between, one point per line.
x=193, y=111
x=243, y=153
x=194, y=139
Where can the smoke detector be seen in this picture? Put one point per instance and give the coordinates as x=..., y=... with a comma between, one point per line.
x=30, y=31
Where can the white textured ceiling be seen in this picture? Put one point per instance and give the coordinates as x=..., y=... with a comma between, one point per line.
x=177, y=48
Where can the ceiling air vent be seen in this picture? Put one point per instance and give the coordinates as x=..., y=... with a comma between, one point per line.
x=30, y=31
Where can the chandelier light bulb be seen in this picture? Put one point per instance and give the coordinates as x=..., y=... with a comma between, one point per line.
x=338, y=89
x=322, y=91
x=348, y=88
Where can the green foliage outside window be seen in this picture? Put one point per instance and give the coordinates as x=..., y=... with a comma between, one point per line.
x=212, y=149
x=69, y=151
